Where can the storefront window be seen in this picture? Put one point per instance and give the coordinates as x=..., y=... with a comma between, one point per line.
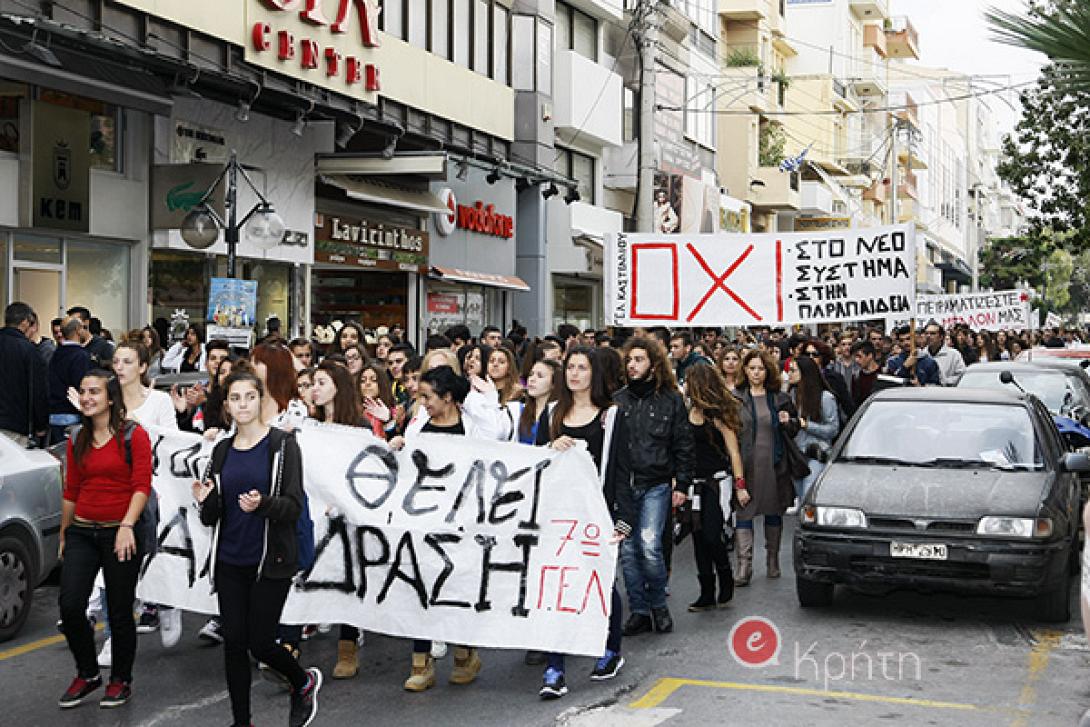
x=106, y=127
x=273, y=293
x=450, y=305
x=98, y=278
x=37, y=249
x=574, y=304
x=179, y=281
x=372, y=298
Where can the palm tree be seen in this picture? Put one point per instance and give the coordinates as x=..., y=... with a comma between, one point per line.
x=1062, y=34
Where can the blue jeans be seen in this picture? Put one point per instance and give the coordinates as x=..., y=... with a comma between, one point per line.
x=641, y=554
x=802, y=486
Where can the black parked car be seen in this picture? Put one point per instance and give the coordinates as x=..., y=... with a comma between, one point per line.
x=964, y=490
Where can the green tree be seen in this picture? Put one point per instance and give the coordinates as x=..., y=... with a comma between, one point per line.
x=1008, y=262
x=1046, y=161
x=1058, y=269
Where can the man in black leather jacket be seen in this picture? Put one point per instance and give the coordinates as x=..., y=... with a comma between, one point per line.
x=660, y=445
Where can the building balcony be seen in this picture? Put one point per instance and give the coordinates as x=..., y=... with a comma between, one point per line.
x=771, y=189
x=843, y=99
x=877, y=192
x=874, y=37
x=868, y=84
x=902, y=41
x=906, y=185
x=744, y=9
x=621, y=165
x=596, y=118
x=749, y=90
x=815, y=198
x=870, y=9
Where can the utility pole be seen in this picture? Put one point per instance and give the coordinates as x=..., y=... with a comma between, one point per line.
x=646, y=32
x=893, y=174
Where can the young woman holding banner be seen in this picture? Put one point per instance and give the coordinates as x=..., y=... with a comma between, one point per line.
x=336, y=401
x=443, y=392
x=584, y=411
x=252, y=495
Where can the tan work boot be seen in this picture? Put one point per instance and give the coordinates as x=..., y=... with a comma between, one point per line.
x=348, y=659
x=422, y=676
x=467, y=665
x=744, y=573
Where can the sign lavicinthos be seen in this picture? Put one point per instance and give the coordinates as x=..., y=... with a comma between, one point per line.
x=761, y=279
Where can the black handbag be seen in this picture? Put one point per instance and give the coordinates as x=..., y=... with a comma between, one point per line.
x=797, y=465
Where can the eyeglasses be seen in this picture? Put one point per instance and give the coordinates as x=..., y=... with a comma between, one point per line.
x=812, y=353
x=933, y=333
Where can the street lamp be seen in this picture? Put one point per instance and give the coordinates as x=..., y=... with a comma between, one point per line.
x=262, y=226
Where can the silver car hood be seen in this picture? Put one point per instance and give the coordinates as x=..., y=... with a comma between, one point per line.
x=932, y=492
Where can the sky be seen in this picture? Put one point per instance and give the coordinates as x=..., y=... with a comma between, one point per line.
x=953, y=34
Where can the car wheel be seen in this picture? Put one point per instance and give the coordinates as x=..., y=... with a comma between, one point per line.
x=813, y=593
x=16, y=586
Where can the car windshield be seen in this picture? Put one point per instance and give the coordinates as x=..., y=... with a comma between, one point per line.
x=1055, y=389
x=944, y=434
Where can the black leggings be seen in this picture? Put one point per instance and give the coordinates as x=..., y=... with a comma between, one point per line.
x=249, y=611
x=86, y=549
x=710, y=542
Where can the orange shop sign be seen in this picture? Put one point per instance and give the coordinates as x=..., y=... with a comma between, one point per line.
x=326, y=42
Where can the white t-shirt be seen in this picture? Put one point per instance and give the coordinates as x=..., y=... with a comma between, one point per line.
x=156, y=411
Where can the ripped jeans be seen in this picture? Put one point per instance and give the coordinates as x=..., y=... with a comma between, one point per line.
x=641, y=553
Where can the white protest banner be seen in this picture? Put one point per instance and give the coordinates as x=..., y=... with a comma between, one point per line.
x=464, y=541
x=1053, y=320
x=1002, y=310
x=760, y=279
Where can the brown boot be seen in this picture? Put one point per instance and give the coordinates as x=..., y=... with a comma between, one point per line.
x=422, y=676
x=744, y=537
x=467, y=665
x=348, y=659
x=773, y=534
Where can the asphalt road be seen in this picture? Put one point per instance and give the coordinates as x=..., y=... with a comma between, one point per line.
x=903, y=658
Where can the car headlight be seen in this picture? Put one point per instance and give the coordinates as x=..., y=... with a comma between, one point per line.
x=834, y=517
x=1015, y=527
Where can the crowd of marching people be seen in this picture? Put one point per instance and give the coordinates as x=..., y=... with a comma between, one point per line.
x=694, y=433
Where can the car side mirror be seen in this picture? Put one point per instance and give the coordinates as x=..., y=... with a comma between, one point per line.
x=1075, y=462
x=1006, y=377
x=1085, y=363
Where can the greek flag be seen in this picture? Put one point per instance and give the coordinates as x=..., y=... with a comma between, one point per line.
x=793, y=164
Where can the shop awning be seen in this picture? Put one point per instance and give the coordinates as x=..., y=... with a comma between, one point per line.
x=457, y=275
x=381, y=193
x=421, y=163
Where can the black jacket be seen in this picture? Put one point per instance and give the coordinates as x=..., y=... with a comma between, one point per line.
x=67, y=367
x=281, y=508
x=24, y=407
x=660, y=441
x=617, y=477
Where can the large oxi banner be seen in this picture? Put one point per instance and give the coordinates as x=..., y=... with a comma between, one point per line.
x=460, y=540
x=745, y=279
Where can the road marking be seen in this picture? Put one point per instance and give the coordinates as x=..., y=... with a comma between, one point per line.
x=1047, y=641
x=665, y=687
x=35, y=645
x=171, y=713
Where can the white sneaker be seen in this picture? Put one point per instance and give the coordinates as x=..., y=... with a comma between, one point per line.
x=793, y=510
x=211, y=632
x=438, y=649
x=106, y=656
x=170, y=626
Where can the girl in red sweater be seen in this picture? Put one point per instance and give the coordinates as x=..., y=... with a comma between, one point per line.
x=106, y=486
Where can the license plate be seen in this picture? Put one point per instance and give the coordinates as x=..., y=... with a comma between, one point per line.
x=923, y=551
